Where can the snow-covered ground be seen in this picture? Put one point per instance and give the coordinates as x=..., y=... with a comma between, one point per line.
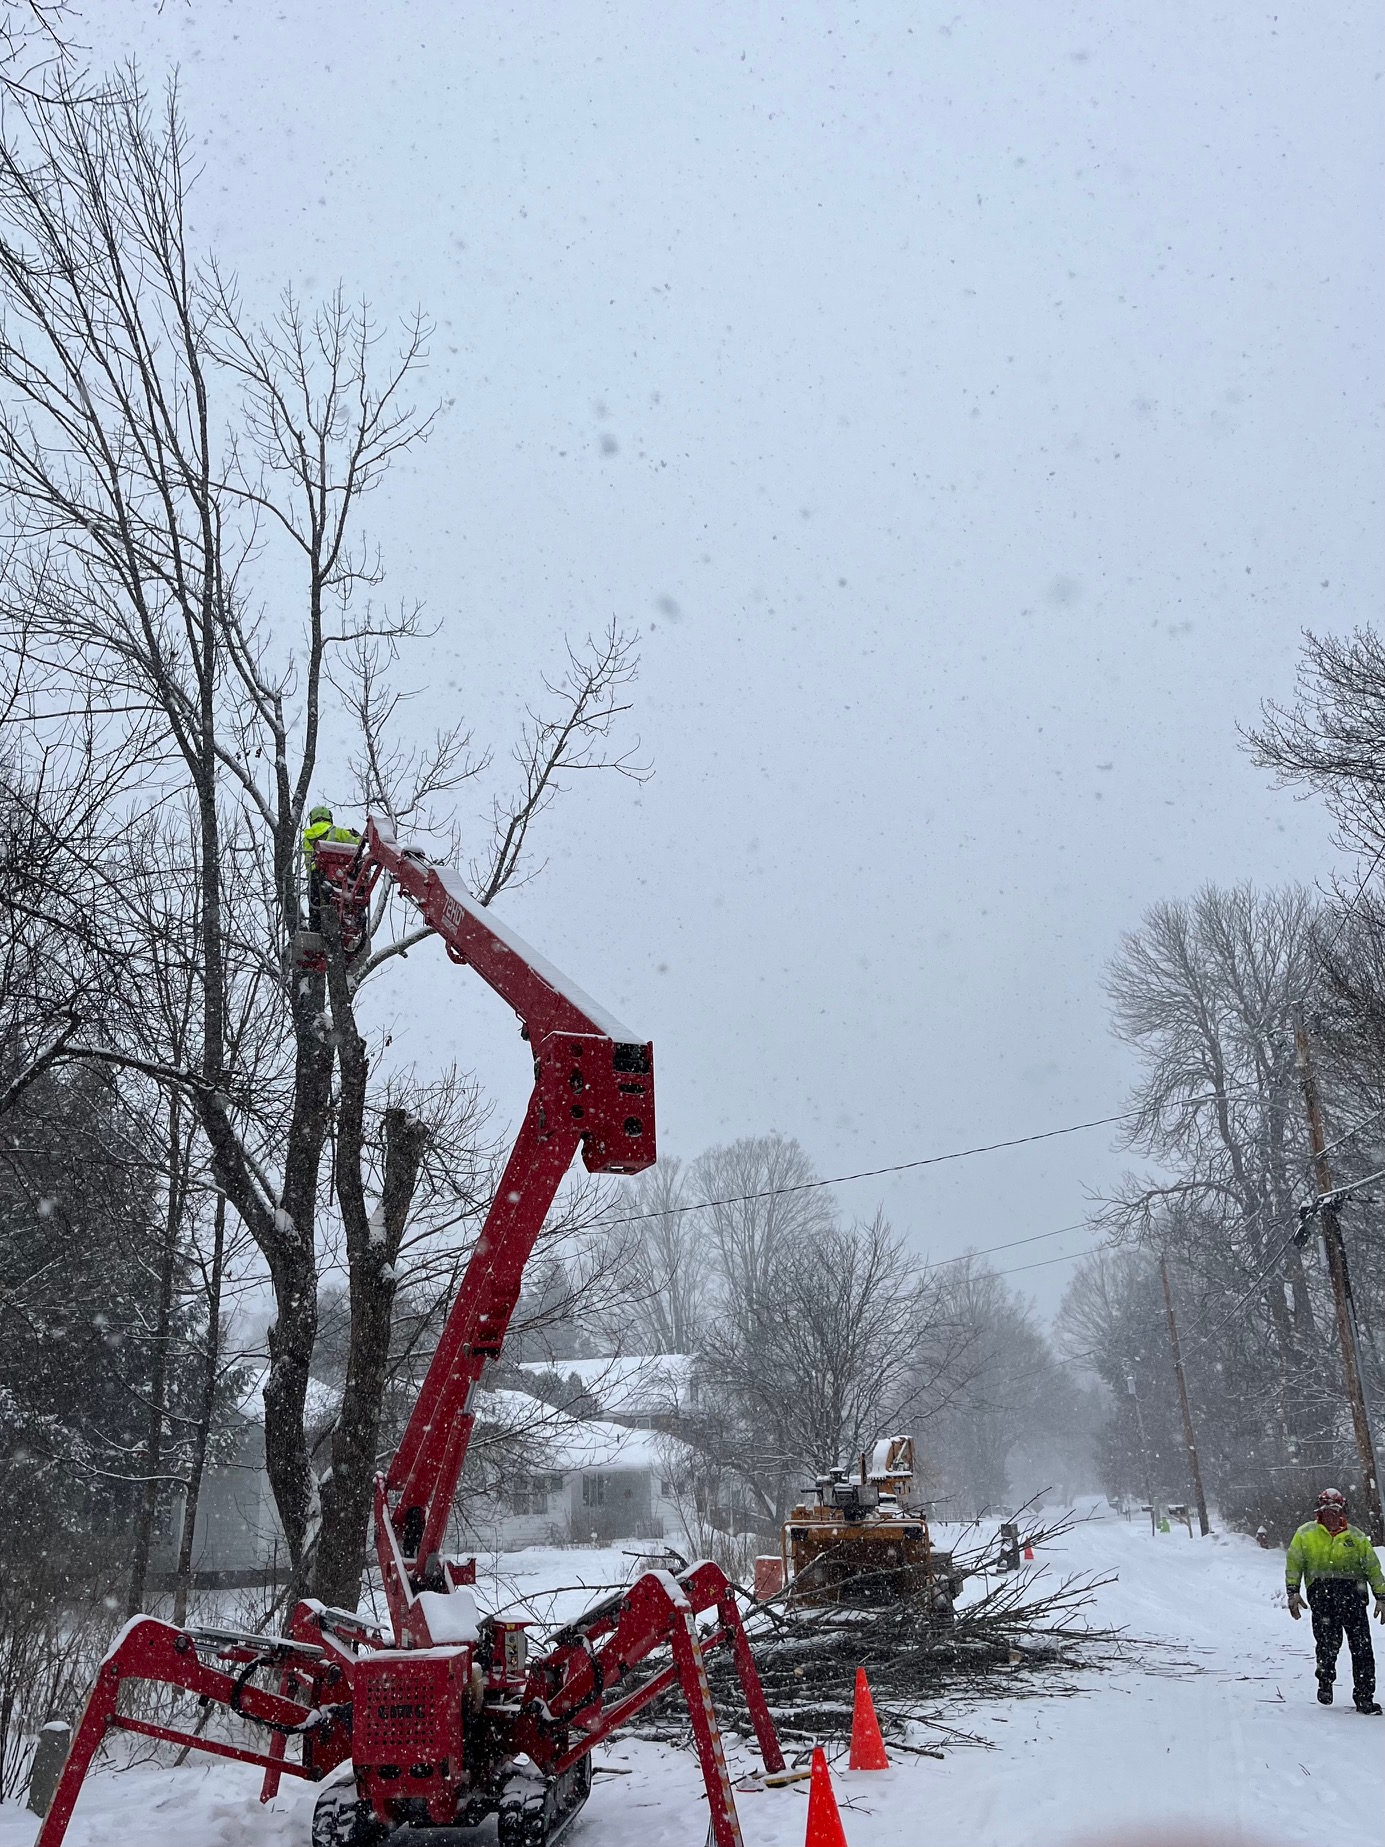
x=1213, y=1731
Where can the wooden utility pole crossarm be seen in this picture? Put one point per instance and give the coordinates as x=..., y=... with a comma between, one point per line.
x=1329, y=1211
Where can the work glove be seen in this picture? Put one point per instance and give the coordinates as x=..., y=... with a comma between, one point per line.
x=1379, y=1608
x=1295, y=1605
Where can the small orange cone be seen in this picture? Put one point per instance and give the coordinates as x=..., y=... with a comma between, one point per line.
x=867, y=1746
x=824, y=1821
x=1029, y=1553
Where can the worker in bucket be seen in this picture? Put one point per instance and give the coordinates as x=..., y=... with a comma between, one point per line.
x=1337, y=1565
x=320, y=827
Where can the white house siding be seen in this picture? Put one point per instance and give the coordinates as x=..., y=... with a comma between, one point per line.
x=602, y=1478
x=238, y=1539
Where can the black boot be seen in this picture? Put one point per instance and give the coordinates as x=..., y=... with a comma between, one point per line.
x=1367, y=1703
x=1324, y=1692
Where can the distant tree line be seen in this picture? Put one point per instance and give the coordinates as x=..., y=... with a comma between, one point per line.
x=1212, y=994
x=811, y=1336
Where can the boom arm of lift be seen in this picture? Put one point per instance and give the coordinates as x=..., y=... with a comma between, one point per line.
x=593, y=1090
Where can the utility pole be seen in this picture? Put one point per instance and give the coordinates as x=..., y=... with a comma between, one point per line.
x=1336, y=1254
x=1190, y=1441
x=1144, y=1450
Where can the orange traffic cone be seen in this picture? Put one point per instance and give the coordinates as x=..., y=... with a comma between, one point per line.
x=824, y=1821
x=1029, y=1553
x=867, y=1746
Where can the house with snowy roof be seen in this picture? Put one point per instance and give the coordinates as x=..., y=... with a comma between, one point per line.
x=557, y=1478
x=649, y=1391
x=238, y=1541
x=571, y=1480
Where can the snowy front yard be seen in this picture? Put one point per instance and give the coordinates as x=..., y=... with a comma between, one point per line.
x=1215, y=1726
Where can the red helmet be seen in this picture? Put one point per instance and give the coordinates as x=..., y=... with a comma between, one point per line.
x=1332, y=1500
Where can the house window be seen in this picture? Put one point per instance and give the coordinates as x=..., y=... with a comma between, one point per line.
x=529, y=1493
x=593, y=1490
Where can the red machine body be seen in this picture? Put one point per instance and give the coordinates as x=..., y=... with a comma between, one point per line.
x=449, y=1719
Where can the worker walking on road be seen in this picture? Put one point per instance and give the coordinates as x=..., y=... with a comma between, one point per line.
x=1337, y=1565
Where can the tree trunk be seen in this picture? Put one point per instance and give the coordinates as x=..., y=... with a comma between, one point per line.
x=372, y=1245
x=158, y=1384
x=202, y=1433
x=292, y=1335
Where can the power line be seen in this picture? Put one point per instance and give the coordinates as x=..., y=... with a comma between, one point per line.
x=1118, y=1243
x=1010, y=1244
x=902, y=1167
x=1281, y=1249
x=962, y=1154
x=1108, y=1244
x=1235, y=1310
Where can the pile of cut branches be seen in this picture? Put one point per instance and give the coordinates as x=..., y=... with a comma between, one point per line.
x=914, y=1654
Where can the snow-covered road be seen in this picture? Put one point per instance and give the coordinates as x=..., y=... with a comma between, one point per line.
x=1214, y=1730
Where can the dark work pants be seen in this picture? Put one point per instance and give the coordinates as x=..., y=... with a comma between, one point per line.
x=1339, y=1605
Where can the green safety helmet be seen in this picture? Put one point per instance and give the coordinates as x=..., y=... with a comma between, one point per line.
x=320, y=813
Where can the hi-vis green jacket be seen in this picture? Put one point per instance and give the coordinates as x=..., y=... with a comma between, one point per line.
x=324, y=830
x=1316, y=1553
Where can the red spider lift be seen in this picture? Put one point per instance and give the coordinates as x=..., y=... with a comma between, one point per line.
x=449, y=1719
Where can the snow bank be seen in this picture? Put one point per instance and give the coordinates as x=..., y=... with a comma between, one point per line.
x=1211, y=1730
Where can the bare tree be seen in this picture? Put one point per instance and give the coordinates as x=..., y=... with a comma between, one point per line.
x=1110, y=1323
x=209, y=1259
x=657, y=1242
x=833, y=1359
x=1205, y=993
x=810, y=1339
x=816, y=1337
x=148, y=945
x=1331, y=741
x=1332, y=738
x=373, y=1241
x=757, y=1197
x=157, y=443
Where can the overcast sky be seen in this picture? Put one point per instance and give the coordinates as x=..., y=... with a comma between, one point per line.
x=969, y=407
